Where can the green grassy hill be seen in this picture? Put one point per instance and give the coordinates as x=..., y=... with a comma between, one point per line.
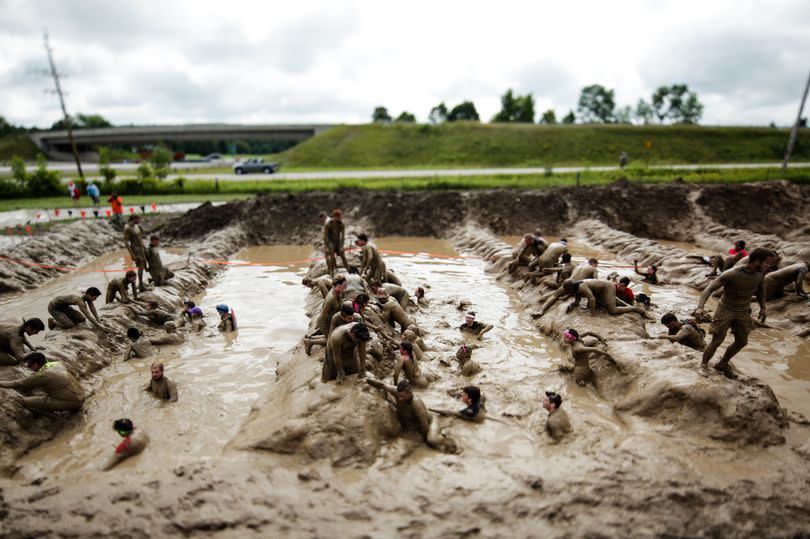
x=515, y=145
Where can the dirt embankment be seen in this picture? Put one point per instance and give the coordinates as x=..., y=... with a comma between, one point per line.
x=85, y=351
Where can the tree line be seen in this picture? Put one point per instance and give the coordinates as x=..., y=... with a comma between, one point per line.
x=596, y=104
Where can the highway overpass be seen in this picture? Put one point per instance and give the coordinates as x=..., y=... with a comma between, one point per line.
x=55, y=144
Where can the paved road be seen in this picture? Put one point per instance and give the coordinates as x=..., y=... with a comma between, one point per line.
x=411, y=173
x=406, y=173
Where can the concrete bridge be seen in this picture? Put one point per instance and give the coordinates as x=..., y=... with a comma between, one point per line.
x=55, y=144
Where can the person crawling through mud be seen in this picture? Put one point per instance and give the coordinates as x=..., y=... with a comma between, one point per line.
x=467, y=366
x=64, y=316
x=323, y=284
x=597, y=292
x=392, y=312
x=650, y=274
x=331, y=305
x=117, y=288
x=159, y=385
x=227, y=318
x=474, y=411
x=408, y=365
x=355, y=284
x=624, y=292
x=413, y=415
x=395, y=291
x=557, y=425
x=552, y=277
x=346, y=353
x=196, y=324
x=159, y=273
x=580, y=353
x=134, y=442
x=551, y=256
x=13, y=339
x=471, y=326
x=137, y=347
x=62, y=391
x=420, y=299
x=153, y=313
x=529, y=248
x=715, y=262
x=734, y=310
x=776, y=281
x=171, y=336
x=685, y=332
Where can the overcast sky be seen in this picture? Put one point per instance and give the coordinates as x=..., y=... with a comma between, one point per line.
x=167, y=62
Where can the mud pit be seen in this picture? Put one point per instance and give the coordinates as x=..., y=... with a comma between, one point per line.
x=629, y=469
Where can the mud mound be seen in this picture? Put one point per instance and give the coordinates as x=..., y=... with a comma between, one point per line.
x=655, y=380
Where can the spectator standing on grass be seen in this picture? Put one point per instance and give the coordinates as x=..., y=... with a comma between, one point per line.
x=623, y=160
x=94, y=193
x=117, y=204
x=75, y=194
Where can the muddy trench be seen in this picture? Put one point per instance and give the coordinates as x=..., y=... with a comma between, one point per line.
x=257, y=445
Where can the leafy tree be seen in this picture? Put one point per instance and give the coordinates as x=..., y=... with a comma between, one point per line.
x=43, y=182
x=548, y=117
x=406, y=118
x=438, y=114
x=464, y=111
x=9, y=129
x=569, y=118
x=624, y=115
x=643, y=112
x=515, y=108
x=83, y=121
x=104, y=165
x=677, y=103
x=596, y=104
x=145, y=171
x=161, y=159
x=381, y=116
x=18, y=169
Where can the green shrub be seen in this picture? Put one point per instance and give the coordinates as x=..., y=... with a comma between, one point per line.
x=145, y=171
x=43, y=182
x=18, y=169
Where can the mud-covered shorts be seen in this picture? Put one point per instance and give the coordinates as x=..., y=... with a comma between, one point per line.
x=725, y=319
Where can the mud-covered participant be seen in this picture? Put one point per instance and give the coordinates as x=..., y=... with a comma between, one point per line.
x=414, y=415
x=227, y=318
x=346, y=353
x=471, y=397
x=331, y=305
x=685, y=332
x=117, y=288
x=397, y=292
x=557, y=425
x=734, y=310
x=372, y=266
x=580, y=354
x=390, y=277
x=64, y=316
x=196, y=323
x=529, y=248
x=137, y=347
x=467, y=366
x=159, y=385
x=13, y=339
x=470, y=325
x=550, y=256
x=555, y=275
x=650, y=275
x=170, y=338
x=594, y=290
x=776, y=281
x=333, y=238
x=323, y=284
x=133, y=241
x=624, y=292
x=392, y=312
x=62, y=391
x=153, y=313
x=419, y=299
x=355, y=284
x=408, y=365
x=588, y=270
x=159, y=273
x=134, y=442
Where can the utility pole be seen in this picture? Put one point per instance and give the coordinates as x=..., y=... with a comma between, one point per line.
x=68, y=124
x=795, y=131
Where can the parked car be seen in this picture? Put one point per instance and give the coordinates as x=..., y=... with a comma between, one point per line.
x=255, y=165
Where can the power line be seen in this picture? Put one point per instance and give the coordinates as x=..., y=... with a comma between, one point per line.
x=795, y=131
x=68, y=123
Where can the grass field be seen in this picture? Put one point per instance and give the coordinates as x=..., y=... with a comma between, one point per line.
x=202, y=190
x=504, y=145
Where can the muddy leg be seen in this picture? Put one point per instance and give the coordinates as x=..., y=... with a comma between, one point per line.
x=45, y=404
x=714, y=344
x=330, y=262
x=60, y=320
x=740, y=341
x=343, y=259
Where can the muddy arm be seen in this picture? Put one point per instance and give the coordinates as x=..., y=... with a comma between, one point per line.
x=380, y=385
x=592, y=334
x=452, y=413
x=763, y=312
x=586, y=292
x=713, y=286
x=128, y=352
x=486, y=328
x=397, y=370
x=552, y=300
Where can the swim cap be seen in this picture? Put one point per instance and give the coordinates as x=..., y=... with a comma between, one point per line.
x=221, y=307
x=195, y=310
x=570, y=335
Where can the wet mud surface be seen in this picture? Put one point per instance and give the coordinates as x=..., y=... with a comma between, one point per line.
x=258, y=446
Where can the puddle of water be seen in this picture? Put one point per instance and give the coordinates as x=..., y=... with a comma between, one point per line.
x=218, y=376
